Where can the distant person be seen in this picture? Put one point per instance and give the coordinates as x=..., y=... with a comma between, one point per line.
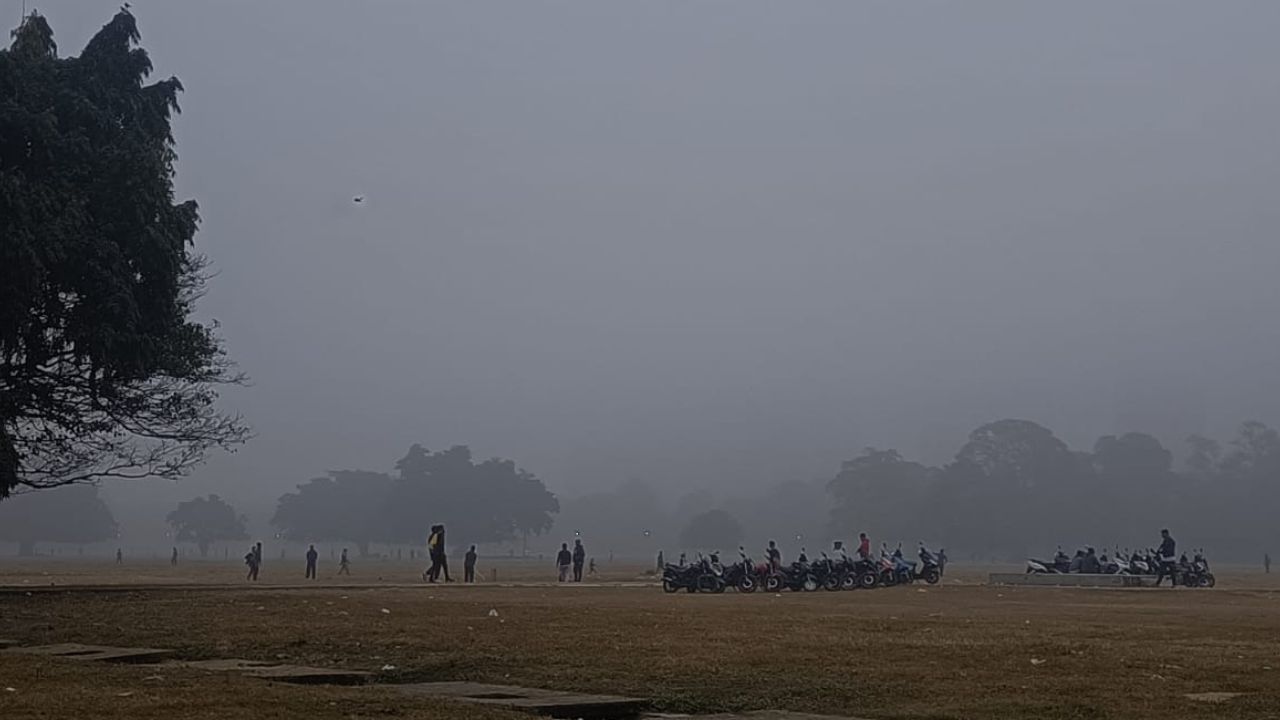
x=312, y=557
x=1266, y=563
x=774, y=556
x=119, y=556
x=173, y=559
x=257, y=552
x=251, y=559
x=804, y=558
x=591, y=567
x=564, y=561
x=942, y=560
x=469, y=565
x=864, y=546
x=1090, y=564
x=1168, y=559
x=662, y=565
x=439, y=558
x=682, y=559
x=344, y=565
x=579, y=559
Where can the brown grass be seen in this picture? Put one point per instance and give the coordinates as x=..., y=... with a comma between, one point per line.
x=954, y=651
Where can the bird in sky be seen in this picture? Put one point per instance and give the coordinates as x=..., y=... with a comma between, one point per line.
x=358, y=199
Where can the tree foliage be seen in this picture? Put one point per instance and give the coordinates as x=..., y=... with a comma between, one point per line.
x=72, y=515
x=103, y=372
x=347, y=505
x=205, y=521
x=712, y=530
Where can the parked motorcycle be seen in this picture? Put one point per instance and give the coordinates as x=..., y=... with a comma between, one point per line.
x=1061, y=564
x=743, y=575
x=795, y=577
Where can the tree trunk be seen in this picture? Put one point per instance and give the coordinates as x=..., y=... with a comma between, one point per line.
x=26, y=548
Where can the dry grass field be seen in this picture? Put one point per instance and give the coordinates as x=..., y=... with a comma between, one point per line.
x=959, y=650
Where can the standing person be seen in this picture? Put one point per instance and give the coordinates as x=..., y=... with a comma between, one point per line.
x=119, y=556
x=942, y=561
x=864, y=546
x=173, y=559
x=564, y=560
x=312, y=556
x=344, y=565
x=1168, y=559
x=469, y=565
x=661, y=563
x=251, y=559
x=257, y=553
x=579, y=559
x=1266, y=563
x=774, y=556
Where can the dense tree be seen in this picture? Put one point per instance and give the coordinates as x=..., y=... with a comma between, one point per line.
x=103, y=371
x=490, y=501
x=205, y=521
x=70, y=515
x=711, y=530
x=347, y=505
x=881, y=493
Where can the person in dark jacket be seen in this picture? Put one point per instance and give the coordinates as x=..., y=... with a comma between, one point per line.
x=564, y=561
x=774, y=556
x=1168, y=559
x=579, y=559
x=312, y=557
x=469, y=566
x=1089, y=563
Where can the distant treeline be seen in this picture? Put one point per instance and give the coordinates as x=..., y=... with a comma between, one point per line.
x=1013, y=488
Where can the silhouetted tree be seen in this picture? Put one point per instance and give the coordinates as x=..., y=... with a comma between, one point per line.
x=711, y=530
x=347, y=505
x=72, y=515
x=103, y=371
x=205, y=521
x=491, y=501
x=880, y=493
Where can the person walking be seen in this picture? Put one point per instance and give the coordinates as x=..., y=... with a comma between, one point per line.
x=469, y=566
x=564, y=561
x=579, y=559
x=591, y=567
x=173, y=559
x=439, y=557
x=1168, y=559
x=257, y=553
x=312, y=557
x=251, y=559
x=344, y=565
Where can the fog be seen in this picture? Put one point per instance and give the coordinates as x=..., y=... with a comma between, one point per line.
x=715, y=245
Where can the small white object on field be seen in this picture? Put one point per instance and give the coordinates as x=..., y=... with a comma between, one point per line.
x=388, y=668
x=9, y=689
x=386, y=611
x=493, y=613
x=1037, y=661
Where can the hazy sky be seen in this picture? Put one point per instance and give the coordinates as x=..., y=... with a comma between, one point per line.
x=722, y=243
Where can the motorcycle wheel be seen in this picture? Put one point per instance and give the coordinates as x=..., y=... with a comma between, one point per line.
x=669, y=587
x=831, y=583
x=809, y=585
x=1206, y=581
x=773, y=583
x=719, y=586
x=868, y=580
x=849, y=582
x=746, y=585
x=932, y=576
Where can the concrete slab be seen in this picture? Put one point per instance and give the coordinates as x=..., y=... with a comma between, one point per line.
x=300, y=674
x=1067, y=580
x=544, y=702
x=753, y=715
x=102, y=653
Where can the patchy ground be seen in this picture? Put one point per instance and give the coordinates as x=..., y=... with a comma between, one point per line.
x=953, y=651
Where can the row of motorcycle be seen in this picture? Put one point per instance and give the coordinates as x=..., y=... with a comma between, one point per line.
x=1189, y=572
x=843, y=572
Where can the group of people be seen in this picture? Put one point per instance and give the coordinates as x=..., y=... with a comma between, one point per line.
x=575, y=559
x=440, y=559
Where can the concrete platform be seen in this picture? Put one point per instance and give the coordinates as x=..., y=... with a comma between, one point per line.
x=1068, y=580
x=753, y=715
x=544, y=702
x=299, y=674
x=102, y=653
